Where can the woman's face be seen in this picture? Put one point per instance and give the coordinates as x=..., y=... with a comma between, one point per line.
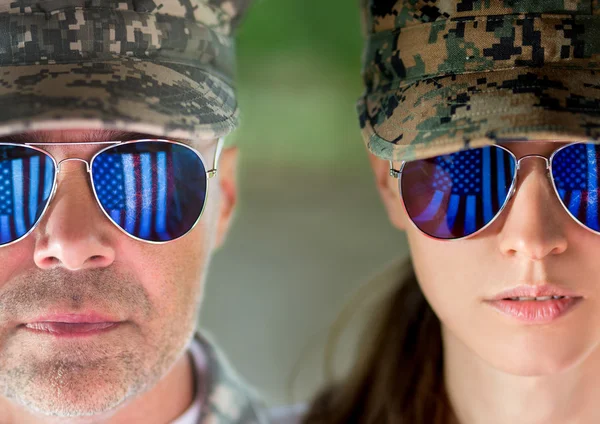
x=534, y=242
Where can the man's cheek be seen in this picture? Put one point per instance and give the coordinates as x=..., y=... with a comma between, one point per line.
x=14, y=259
x=173, y=293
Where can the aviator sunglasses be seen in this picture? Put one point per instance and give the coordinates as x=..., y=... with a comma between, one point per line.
x=153, y=190
x=455, y=196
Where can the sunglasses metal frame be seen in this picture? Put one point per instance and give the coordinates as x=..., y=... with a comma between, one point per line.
x=397, y=173
x=110, y=144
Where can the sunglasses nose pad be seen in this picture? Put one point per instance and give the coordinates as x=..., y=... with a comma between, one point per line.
x=512, y=192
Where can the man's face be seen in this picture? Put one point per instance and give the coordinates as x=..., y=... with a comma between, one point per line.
x=78, y=265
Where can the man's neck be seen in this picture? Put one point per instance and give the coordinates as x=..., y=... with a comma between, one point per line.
x=164, y=403
x=480, y=393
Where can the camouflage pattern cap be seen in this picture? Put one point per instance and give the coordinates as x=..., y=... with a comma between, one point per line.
x=446, y=75
x=161, y=67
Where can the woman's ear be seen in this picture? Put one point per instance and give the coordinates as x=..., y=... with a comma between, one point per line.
x=389, y=192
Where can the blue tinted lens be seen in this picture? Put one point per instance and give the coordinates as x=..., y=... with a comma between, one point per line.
x=26, y=181
x=575, y=175
x=453, y=196
x=153, y=190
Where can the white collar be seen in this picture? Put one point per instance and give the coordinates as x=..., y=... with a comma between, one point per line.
x=192, y=414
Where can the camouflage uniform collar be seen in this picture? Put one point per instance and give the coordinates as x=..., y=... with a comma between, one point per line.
x=227, y=398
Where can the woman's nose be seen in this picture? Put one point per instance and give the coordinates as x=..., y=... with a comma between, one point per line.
x=534, y=221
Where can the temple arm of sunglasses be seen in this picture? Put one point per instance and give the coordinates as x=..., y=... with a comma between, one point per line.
x=212, y=172
x=395, y=172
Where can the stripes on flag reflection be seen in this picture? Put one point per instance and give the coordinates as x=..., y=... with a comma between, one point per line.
x=467, y=190
x=575, y=172
x=133, y=189
x=26, y=178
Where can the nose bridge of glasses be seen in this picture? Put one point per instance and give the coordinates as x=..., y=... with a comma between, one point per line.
x=518, y=167
x=546, y=160
x=59, y=164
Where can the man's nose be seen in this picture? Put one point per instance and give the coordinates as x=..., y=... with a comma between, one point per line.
x=74, y=232
x=535, y=220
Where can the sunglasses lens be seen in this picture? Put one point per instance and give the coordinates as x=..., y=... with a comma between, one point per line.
x=453, y=196
x=153, y=190
x=575, y=175
x=26, y=180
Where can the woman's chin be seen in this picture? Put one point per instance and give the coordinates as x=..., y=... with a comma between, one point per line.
x=538, y=367
x=538, y=360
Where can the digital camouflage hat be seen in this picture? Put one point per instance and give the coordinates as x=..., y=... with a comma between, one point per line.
x=446, y=75
x=163, y=67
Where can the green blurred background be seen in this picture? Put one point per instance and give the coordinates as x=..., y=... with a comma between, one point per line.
x=309, y=228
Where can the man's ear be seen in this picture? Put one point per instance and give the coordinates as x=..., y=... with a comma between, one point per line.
x=389, y=192
x=226, y=171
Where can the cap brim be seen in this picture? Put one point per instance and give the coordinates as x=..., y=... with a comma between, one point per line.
x=445, y=114
x=147, y=97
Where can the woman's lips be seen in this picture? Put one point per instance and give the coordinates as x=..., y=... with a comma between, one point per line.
x=536, y=311
x=533, y=291
x=535, y=303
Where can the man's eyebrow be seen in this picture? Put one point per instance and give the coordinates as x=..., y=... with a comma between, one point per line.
x=19, y=138
x=90, y=136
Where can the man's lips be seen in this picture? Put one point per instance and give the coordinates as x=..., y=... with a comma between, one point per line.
x=72, y=318
x=64, y=328
x=71, y=325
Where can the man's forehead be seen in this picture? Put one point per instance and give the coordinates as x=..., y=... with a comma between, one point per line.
x=74, y=136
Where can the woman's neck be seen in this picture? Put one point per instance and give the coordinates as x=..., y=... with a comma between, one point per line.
x=479, y=393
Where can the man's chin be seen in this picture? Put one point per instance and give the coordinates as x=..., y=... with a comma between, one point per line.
x=67, y=389
x=68, y=404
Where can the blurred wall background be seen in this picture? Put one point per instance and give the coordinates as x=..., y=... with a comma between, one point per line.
x=309, y=228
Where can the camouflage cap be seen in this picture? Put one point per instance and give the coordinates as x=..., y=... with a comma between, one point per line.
x=163, y=67
x=446, y=75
